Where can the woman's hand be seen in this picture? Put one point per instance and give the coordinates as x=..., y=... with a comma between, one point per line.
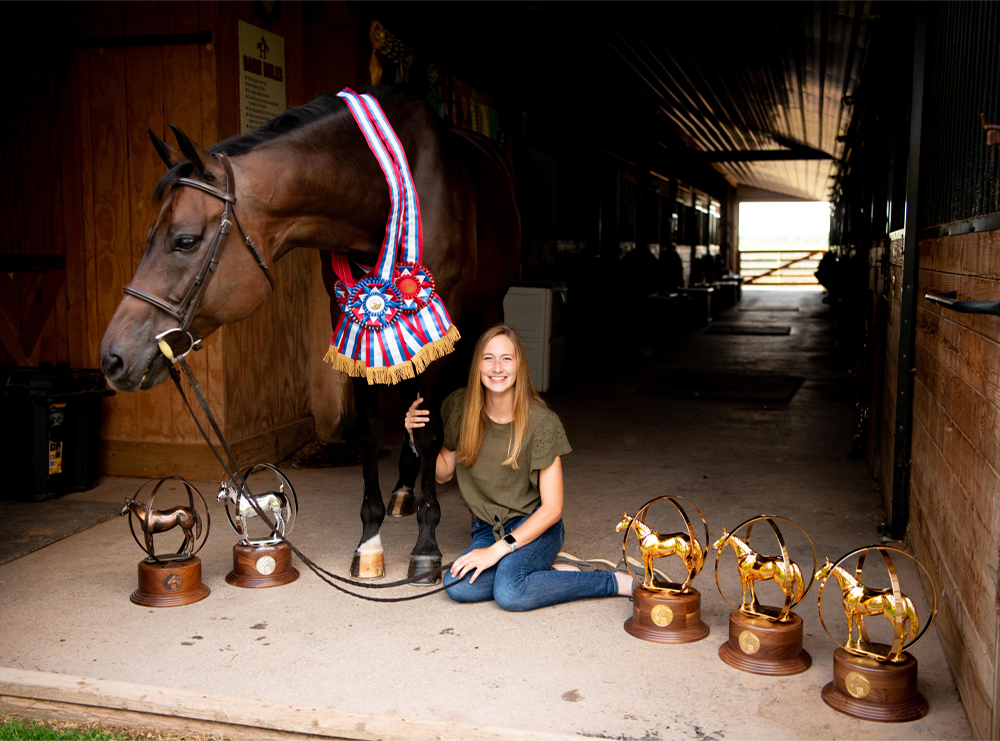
x=415, y=417
x=478, y=561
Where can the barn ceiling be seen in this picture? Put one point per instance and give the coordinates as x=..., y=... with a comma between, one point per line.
x=759, y=91
x=755, y=92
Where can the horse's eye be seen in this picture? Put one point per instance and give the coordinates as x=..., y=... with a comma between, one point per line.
x=185, y=243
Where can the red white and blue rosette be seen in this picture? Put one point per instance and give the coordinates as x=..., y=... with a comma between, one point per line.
x=374, y=303
x=415, y=285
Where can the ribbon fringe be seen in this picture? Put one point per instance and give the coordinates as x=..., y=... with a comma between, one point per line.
x=392, y=375
x=437, y=349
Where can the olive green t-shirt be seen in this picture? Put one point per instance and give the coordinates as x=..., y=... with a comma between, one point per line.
x=494, y=492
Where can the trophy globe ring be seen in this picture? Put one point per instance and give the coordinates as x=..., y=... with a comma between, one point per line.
x=188, y=518
x=753, y=567
x=860, y=601
x=653, y=545
x=280, y=506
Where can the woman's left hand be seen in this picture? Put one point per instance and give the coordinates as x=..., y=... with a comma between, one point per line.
x=478, y=561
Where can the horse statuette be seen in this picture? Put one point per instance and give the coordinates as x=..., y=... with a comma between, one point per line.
x=764, y=639
x=861, y=601
x=653, y=545
x=871, y=679
x=752, y=568
x=274, y=503
x=160, y=521
x=169, y=581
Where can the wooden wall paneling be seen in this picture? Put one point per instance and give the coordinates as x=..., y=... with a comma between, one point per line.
x=84, y=168
x=951, y=523
x=108, y=144
x=208, y=72
x=977, y=700
x=182, y=104
x=144, y=72
x=226, y=40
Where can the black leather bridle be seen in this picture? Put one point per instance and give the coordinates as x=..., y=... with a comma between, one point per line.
x=178, y=342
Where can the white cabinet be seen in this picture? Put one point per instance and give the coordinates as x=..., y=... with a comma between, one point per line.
x=536, y=312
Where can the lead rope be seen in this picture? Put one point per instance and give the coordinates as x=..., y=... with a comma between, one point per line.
x=234, y=473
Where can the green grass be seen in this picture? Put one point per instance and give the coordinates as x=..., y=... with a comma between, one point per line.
x=16, y=729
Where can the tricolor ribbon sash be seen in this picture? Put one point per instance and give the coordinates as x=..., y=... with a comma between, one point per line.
x=393, y=324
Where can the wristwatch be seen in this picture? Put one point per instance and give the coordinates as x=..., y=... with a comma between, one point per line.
x=509, y=540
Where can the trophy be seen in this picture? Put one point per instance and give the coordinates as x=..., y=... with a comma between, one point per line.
x=262, y=558
x=764, y=639
x=665, y=611
x=174, y=579
x=875, y=680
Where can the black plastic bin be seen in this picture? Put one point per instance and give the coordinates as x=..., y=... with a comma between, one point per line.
x=51, y=430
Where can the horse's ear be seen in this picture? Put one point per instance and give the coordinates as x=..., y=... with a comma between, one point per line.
x=197, y=155
x=170, y=155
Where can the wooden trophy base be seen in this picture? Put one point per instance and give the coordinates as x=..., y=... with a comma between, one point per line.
x=666, y=618
x=170, y=584
x=261, y=566
x=762, y=646
x=873, y=690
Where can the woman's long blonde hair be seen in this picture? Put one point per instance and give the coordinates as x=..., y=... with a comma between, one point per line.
x=474, y=418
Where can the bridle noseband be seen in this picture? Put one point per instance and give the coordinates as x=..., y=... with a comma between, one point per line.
x=184, y=311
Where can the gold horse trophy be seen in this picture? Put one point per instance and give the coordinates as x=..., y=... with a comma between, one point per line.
x=664, y=611
x=764, y=639
x=262, y=558
x=875, y=680
x=173, y=579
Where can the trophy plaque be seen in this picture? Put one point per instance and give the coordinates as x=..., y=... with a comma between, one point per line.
x=174, y=579
x=262, y=558
x=764, y=639
x=665, y=611
x=875, y=680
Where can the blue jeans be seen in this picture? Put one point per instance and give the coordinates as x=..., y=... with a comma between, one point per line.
x=525, y=579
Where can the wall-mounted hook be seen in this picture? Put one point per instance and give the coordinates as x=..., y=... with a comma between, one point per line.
x=948, y=301
x=992, y=132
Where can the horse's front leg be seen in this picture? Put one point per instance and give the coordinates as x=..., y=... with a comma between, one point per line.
x=403, y=502
x=425, y=558
x=368, y=561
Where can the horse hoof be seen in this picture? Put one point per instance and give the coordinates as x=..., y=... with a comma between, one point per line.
x=403, y=503
x=427, y=566
x=367, y=566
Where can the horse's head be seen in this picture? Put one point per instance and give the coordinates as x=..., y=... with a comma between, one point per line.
x=721, y=542
x=129, y=505
x=825, y=569
x=626, y=521
x=175, y=283
x=226, y=492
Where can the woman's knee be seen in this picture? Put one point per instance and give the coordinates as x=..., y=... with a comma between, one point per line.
x=512, y=596
x=461, y=591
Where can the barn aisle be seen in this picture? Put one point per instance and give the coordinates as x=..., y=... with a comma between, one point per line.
x=741, y=423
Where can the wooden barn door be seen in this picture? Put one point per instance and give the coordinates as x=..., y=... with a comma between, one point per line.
x=132, y=84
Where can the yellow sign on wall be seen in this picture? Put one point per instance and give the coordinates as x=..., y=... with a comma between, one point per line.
x=262, y=76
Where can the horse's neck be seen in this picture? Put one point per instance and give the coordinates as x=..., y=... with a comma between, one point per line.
x=739, y=547
x=641, y=528
x=845, y=580
x=318, y=187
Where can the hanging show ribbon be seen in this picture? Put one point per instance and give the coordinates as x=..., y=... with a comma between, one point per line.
x=393, y=324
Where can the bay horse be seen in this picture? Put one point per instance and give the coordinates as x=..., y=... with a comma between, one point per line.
x=860, y=601
x=653, y=545
x=161, y=520
x=307, y=178
x=753, y=567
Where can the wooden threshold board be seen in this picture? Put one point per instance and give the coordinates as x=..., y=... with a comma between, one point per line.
x=71, y=698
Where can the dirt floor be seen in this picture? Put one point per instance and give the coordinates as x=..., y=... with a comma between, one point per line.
x=570, y=668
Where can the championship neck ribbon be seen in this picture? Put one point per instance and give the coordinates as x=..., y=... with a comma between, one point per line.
x=393, y=323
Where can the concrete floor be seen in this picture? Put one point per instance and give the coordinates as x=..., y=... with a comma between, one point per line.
x=569, y=668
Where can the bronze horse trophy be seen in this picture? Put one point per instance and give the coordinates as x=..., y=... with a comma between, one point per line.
x=308, y=179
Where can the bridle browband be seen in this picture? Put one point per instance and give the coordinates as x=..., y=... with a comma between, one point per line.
x=184, y=311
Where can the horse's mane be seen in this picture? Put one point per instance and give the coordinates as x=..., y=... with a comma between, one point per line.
x=320, y=107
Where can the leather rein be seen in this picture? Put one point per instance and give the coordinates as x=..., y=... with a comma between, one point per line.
x=184, y=312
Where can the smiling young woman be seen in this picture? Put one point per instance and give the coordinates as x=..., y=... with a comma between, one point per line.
x=505, y=446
